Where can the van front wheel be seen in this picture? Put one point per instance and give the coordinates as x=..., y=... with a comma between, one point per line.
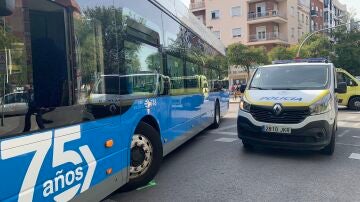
x=330, y=148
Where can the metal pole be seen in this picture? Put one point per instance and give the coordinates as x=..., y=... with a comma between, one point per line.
x=4, y=84
x=321, y=30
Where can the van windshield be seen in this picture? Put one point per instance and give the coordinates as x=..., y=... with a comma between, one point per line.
x=307, y=77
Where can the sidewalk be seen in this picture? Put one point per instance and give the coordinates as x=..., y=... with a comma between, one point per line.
x=232, y=100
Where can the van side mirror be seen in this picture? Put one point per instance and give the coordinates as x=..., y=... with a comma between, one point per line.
x=7, y=7
x=341, y=88
x=243, y=88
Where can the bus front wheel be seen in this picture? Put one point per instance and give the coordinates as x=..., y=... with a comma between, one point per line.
x=145, y=156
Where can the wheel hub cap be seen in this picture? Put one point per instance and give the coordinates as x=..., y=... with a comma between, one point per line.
x=141, y=155
x=357, y=104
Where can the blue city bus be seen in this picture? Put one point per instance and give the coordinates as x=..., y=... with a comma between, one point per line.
x=108, y=88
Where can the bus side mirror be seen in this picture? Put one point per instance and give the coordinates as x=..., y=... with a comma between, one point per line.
x=341, y=88
x=7, y=7
x=242, y=88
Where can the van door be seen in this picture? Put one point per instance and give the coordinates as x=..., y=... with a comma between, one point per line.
x=352, y=87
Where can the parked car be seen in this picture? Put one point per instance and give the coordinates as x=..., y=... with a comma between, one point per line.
x=13, y=104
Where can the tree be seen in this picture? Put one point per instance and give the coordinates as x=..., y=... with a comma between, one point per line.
x=317, y=46
x=280, y=53
x=347, y=50
x=247, y=57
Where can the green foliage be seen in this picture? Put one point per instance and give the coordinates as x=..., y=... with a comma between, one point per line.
x=247, y=57
x=280, y=53
x=347, y=50
x=317, y=46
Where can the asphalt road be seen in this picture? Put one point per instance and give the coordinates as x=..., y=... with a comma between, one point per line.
x=213, y=166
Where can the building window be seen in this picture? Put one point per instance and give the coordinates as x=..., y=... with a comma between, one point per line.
x=236, y=32
x=321, y=12
x=292, y=11
x=261, y=33
x=307, y=20
x=292, y=32
x=302, y=18
x=215, y=14
x=236, y=11
x=217, y=34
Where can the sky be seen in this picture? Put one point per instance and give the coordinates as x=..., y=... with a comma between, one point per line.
x=352, y=5
x=187, y=2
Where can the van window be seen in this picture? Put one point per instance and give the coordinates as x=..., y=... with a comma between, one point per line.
x=341, y=77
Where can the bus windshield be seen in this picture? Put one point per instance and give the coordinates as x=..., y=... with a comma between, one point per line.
x=305, y=77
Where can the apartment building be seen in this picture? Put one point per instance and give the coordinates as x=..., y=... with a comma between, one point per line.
x=317, y=15
x=335, y=13
x=265, y=23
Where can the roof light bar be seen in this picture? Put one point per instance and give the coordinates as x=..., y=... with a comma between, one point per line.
x=306, y=60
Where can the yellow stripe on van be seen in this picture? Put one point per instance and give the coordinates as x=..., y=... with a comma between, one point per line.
x=286, y=104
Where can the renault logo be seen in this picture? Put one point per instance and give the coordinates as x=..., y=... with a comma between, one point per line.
x=277, y=109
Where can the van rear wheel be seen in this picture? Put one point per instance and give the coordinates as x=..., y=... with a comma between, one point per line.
x=354, y=103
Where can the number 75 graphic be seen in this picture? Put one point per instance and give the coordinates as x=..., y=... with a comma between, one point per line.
x=40, y=144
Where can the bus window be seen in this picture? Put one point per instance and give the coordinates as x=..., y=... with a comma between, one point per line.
x=176, y=69
x=35, y=49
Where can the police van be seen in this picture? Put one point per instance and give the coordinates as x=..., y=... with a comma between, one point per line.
x=291, y=105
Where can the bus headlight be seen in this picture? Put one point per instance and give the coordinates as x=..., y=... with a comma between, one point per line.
x=321, y=106
x=244, y=105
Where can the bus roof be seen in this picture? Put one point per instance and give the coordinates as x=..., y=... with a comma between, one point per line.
x=178, y=10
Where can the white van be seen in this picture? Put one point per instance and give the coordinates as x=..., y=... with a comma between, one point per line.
x=292, y=106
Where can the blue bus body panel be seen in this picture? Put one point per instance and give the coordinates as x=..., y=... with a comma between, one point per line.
x=62, y=163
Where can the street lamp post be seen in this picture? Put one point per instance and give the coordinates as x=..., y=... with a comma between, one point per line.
x=321, y=30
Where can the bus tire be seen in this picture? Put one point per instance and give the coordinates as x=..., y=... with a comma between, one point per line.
x=330, y=148
x=145, y=156
x=354, y=103
x=217, y=116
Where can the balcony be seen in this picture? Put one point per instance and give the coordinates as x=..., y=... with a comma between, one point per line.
x=314, y=13
x=197, y=6
x=267, y=38
x=269, y=15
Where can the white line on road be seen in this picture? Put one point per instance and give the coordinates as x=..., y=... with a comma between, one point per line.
x=356, y=137
x=224, y=133
x=224, y=139
x=352, y=145
x=343, y=124
x=343, y=133
x=226, y=127
x=354, y=156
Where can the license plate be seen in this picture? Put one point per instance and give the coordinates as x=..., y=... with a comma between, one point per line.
x=277, y=129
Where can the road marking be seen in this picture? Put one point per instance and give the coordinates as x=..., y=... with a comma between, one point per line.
x=352, y=145
x=356, y=125
x=344, y=133
x=343, y=124
x=226, y=128
x=224, y=133
x=354, y=156
x=356, y=137
x=225, y=139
